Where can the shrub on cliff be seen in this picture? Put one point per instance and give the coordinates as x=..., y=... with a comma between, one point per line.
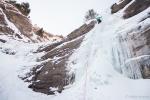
x=40, y=32
x=90, y=14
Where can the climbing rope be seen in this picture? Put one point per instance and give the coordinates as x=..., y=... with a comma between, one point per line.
x=85, y=84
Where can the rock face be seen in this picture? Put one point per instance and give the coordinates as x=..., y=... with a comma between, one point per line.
x=53, y=72
x=20, y=21
x=136, y=7
x=116, y=7
x=133, y=52
x=15, y=24
x=80, y=31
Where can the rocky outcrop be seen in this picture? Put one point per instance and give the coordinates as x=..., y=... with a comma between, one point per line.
x=20, y=21
x=80, y=31
x=13, y=15
x=53, y=73
x=42, y=35
x=136, y=7
x=118, y=6
x=22, y=7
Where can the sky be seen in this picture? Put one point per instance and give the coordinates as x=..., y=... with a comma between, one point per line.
x=61, y=17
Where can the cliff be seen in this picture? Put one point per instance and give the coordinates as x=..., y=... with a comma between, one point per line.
x=88, y=64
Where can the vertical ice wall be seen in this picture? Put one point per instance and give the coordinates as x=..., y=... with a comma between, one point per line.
x=130, y=50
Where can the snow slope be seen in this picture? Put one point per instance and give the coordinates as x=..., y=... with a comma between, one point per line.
x=96, y=78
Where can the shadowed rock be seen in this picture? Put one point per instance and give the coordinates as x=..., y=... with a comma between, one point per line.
x=3, y=41
x=116, y=7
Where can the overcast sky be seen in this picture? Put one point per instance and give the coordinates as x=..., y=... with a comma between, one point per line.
x=63, y=16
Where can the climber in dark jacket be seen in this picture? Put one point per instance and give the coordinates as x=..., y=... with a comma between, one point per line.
x=99, y=20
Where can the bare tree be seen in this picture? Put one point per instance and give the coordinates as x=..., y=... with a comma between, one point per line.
x=90, y=14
